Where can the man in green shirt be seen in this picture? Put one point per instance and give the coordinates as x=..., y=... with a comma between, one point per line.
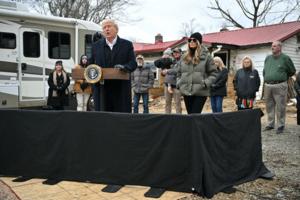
x=278, y=68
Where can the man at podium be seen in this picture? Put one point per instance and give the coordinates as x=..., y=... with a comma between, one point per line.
x=113, y=52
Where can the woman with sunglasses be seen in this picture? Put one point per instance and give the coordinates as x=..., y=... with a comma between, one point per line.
x=196, y=73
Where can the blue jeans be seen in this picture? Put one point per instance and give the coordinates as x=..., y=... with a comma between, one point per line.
x=136, y=100
x=216, y=103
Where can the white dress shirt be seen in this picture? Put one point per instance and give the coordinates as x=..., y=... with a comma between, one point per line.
x=111, y=45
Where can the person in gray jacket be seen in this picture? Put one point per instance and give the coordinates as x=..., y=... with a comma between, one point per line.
x=170, y=83
x=196, y=73
x=142, y=80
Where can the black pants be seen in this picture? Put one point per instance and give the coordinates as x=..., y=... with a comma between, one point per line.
x=58, y=108
x=194, y=104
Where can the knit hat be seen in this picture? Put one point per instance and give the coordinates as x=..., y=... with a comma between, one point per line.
x=140, y=57
x=59, y=62
x=168, y=52
x=197, y=36
x=177, y=49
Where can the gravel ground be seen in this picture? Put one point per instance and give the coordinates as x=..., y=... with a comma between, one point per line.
x=6, y=193
x=281, y=155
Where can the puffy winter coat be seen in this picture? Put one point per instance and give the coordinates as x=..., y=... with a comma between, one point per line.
x=142, y=79
x=196, y=79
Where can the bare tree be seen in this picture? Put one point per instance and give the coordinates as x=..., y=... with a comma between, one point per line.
x=259, y=11
x=94, y=10
x=187, y=28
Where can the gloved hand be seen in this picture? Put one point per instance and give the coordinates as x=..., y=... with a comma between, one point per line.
x=121, y=67
x=59, y=88
x=84, y=85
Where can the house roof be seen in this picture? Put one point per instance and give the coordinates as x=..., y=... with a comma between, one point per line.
x=241, y=37
x=157, y=47
x=254, y=36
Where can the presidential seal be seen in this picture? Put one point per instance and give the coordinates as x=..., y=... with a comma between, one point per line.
x=92, y=73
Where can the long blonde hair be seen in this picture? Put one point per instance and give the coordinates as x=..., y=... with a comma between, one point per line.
x=190, y=58
x=220, y=61
x=247, y=57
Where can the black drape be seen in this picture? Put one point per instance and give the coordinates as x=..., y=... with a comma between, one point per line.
x=207, y=152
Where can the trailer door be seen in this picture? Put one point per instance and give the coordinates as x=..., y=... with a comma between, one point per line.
x=31, y=67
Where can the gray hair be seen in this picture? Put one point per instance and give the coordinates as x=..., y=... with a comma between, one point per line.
x=278, y=43
x=111, y=21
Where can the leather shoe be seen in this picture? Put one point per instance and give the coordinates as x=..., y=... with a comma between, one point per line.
x=267, y=128
x=280, y=130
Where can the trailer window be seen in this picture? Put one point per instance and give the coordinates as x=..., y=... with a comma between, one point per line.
x=88, y=45
x=59, y=45
x=7, y=40
x=31, y=44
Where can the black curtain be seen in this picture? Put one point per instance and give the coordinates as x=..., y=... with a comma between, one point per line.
x=202, y=152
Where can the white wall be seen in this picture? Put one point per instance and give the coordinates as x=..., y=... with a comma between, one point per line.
x=290, y=47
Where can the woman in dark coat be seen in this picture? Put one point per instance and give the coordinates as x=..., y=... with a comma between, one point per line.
x=218, y=89
x=58, y=82
x=246, y=83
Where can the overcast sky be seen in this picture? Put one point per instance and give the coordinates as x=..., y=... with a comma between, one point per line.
x=166, y=17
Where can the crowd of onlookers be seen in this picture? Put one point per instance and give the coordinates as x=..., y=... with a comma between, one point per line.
x=193, y=75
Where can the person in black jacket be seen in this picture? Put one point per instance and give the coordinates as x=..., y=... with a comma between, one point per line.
x=246, y=83
x=113, y=52
x=218, y=89
x=58, y=82
x=297, y=89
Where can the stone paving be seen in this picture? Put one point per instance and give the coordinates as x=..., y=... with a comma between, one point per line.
x=33, y=189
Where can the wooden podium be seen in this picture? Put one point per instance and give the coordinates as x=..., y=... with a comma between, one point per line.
x=107, y=74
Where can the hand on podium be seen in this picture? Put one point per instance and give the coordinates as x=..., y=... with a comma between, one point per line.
x=121, y=68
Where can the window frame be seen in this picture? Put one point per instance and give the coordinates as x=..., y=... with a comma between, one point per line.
x=85, y=45
x=298, y=38
x=15, y=39
x=39, y=44
x=59, y=44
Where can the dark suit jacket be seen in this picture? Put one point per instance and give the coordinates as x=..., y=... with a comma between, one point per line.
x=114, y=95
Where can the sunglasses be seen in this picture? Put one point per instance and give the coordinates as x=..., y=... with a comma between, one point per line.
x=192, y=40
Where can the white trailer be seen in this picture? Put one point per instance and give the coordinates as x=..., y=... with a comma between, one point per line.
x=30, y=44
